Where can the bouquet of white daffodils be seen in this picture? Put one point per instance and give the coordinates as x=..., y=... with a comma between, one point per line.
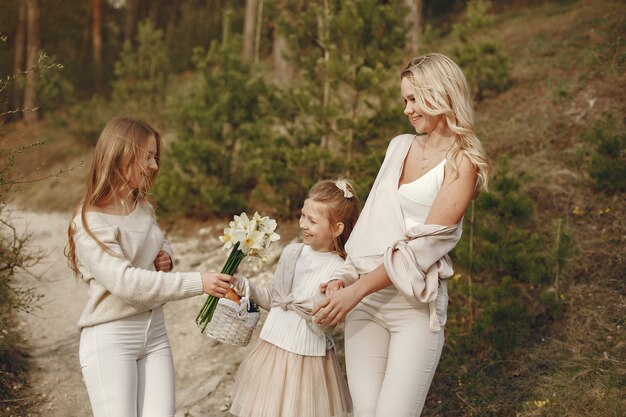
x=244, y=237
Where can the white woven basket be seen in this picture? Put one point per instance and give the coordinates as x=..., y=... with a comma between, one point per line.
x=231, y=322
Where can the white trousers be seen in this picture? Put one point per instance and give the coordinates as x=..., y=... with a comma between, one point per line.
x=128, y=368
x=391, y=355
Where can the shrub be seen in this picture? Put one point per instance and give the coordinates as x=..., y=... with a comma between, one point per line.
x=142, y=72
x=85, y=119
x=482, y=58
x=222, y=118
x=506, y=321
x=513, y=259
x=15, y=256
x=607, y=163
x=53, y=88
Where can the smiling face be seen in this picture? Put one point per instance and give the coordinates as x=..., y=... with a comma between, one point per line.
x=145, y=165
x=316, y=228
x=421, y=121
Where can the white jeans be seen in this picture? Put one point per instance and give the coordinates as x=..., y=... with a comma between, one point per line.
x=127, y=367
x=391, y=355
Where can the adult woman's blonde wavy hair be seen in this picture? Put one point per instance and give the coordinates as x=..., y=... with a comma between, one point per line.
x=442, y=89
x=122, y=142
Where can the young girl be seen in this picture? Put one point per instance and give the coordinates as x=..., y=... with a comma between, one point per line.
x=118, y=250
x=293, y=371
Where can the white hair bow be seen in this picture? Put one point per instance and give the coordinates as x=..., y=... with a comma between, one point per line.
x=343, y=186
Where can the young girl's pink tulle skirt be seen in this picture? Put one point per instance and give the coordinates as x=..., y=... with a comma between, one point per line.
x=272, y=382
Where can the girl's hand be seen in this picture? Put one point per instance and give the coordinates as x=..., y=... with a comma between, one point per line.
x=163, y=262
x=331, y=286
x=334, y=308
x=216, y=284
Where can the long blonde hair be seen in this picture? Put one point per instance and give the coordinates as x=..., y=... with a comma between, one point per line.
x=122, y=142
x=340, y=204
x=442, y=89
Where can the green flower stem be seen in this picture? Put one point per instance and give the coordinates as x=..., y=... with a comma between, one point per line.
x=232, y=263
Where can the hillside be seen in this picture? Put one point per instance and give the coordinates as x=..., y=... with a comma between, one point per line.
x=568, y=62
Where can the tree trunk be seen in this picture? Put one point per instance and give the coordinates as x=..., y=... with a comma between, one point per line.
x=249, y=24
x=86, y=42
x=96, y=39
x=414, y=22
x=19, y=63
x=33, y=47
x=353, y=117
x=171, y=23
x=226, y=27
x=154, y=13
x=132, y=19
x=257, y=37
x=323, y=22
x=280, y=49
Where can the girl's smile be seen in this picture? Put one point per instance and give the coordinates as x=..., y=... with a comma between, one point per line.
x=316, y=229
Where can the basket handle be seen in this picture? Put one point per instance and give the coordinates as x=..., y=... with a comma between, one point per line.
x=244, y=302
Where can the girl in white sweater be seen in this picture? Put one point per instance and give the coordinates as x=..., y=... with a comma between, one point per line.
x=117, y=248
x=293, y=371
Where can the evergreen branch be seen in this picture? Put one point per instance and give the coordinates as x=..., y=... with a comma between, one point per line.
x=18, y=110
x=10, y=78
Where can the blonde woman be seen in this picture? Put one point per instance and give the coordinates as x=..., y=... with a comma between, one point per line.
x=393, y=282
x=117, y=248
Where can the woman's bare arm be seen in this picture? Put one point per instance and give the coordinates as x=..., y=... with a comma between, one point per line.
x=448, y=209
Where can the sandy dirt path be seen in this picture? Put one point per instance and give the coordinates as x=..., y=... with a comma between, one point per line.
x=204, y=368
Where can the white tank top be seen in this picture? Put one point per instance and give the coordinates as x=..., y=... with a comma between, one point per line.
x=417, y=197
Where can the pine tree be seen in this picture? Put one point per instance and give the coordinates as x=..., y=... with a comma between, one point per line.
x=481, y=56
x=222, y=119
x=142, y=72
x=348, y=54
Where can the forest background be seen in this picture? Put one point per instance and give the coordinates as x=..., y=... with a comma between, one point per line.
x=259, y=99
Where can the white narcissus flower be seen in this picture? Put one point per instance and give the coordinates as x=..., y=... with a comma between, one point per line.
x=254, y=235
x=272, y=237
x=269, y=225
x=227, y=239
x=253, y=242
x=232, y=236
x=242, y=221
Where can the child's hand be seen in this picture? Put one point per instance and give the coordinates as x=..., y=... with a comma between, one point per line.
x=163, y=262
x=331, y=286
x=216, y=284
x=334, y=307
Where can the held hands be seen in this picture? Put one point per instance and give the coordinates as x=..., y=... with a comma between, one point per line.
x=163, y=262
x=337, y=304
x=216, y=284
x=331, y=286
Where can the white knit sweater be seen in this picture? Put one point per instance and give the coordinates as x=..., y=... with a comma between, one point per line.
x=301, y=269
x=127, y=284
